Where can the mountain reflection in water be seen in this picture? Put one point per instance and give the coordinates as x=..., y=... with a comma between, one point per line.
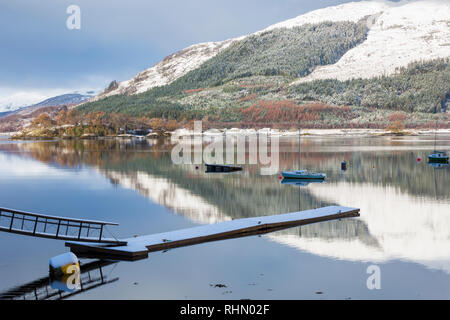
x=405, y=205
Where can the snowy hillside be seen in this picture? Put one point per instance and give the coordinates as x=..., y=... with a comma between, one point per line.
x=170, y=69
x=17, y=100
x=403, y=33
x=399, y=33
x=353, y=11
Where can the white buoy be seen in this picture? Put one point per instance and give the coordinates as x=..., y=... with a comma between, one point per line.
x=64, y=264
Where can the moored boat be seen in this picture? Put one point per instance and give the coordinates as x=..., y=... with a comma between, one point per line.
x=303, y=174
x=221, y=168
x=438, y=157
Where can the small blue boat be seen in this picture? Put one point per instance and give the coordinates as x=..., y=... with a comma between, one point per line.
x=303, y=174
x=438, y=157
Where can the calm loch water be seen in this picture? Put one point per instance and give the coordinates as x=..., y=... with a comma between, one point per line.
x=404, y=227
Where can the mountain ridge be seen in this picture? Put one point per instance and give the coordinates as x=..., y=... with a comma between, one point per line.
x=59, y=100
x=346, y=66
x=401, y=18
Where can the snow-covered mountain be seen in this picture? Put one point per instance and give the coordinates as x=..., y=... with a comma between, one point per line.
x=169, y=69
x=64, y=99
x=17, y=100
x=399, y=33
x=23, y=106
x=33, y=99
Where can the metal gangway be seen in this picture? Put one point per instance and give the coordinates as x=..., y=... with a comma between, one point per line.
x=53, y=227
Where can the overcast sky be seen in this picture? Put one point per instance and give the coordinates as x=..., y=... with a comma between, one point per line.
x=41, y=57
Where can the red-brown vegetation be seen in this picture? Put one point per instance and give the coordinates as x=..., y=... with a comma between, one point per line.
x=193, y=90
x=396, y=127
x=249, y=97
x=398, y=116
x=252, y=86
x=288, y=111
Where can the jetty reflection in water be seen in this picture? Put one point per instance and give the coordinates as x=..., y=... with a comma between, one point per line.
x=91, y=276
x=404, y=204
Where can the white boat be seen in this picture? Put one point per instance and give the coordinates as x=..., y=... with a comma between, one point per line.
x=303, y=174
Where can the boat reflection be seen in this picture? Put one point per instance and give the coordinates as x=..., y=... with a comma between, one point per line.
x=301, y=182
x=436, y=165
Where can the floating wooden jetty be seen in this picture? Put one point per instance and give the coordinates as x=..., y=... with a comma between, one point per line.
x=78, y=232
x=221, y=168
x=138, y=247
x=45, y=226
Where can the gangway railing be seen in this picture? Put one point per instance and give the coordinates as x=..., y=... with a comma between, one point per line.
x=54, y=227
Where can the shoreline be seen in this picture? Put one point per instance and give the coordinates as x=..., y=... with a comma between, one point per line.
x=270, y=132
x=311, y=132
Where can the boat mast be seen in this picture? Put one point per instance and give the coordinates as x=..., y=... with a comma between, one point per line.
x=299, y=152
x=299, y=168
x=435, y=129
x=435, y=135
